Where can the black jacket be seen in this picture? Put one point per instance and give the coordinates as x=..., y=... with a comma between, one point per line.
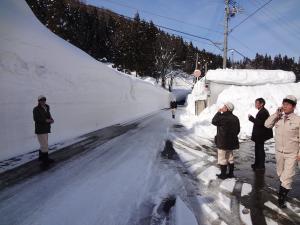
x=260, y=133
x=173, y=104
x=228, y=128
x=39, y=116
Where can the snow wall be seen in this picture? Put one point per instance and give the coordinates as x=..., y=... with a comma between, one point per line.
x=243, y=97
x=84, y=95
x=250, y=77
x=221, y=79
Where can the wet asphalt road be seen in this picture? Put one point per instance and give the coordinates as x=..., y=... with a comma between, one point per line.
x=244, y=159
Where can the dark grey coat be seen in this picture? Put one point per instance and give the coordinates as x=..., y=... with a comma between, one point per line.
x=39, y=116
x=228, y=128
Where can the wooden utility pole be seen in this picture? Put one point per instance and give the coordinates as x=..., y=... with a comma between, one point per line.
x=226, y=33
x=196, y=66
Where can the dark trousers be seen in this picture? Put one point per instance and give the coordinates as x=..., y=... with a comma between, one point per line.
x=260, y=155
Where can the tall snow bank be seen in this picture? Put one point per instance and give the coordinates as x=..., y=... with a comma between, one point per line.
x=250, y=77
x=84, y=95
x=243, y=98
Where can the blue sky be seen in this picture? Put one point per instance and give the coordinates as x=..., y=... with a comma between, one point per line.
x=274, y=29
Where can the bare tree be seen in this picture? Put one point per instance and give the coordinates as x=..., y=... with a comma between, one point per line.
x=164, y=57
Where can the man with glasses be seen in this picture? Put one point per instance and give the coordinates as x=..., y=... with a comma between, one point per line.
x=43, y=120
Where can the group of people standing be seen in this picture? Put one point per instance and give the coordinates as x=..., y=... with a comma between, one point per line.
x=287, y=138
x=287, y=142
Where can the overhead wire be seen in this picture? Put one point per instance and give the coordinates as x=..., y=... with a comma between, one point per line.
x=249, y=16
x=280, y=22
x=211, y=43
x=162, y=16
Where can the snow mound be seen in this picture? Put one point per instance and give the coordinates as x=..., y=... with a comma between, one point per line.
x=84, y=94
x=243, y=97
x=250, y=77
x=150, y=80
x=199, y=92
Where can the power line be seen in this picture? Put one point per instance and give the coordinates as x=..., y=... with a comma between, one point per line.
x=238, y=52
x=250, y=15
x=276, y=12
x=174, y=30
x=282, y=23
x=198, y=41
x=279, y=36
x=165, y=17
x=213, y=43
x=242, y=43
x=192, y=35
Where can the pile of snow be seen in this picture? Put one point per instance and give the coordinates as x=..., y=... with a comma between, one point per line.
x=243, y=97
x=199, y=92
x=151, y=80
x=250, y=77
x=84, y=94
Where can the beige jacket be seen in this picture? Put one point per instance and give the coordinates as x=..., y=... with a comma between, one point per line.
x=287, y=133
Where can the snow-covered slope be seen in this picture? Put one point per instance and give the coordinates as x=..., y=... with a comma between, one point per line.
x=250, y=77
x=243, y=98
x=84, y=95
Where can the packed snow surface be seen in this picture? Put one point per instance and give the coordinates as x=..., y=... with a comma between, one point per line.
x=250, y=77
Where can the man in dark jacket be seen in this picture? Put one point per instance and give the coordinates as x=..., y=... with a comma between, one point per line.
x=228, y=128
x=173, y=105
x=43, y=120
x=260, y=133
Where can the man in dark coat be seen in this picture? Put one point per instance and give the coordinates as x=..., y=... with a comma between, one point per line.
x=173, y=105
x=228, y=128
x=260, y=133
x=43, y=120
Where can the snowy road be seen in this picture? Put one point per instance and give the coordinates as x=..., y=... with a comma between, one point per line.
x=116, y=183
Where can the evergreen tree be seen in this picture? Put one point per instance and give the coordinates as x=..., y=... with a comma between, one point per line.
x=136, y=45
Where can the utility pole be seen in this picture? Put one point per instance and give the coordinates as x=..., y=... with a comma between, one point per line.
x=232, y=59
x=196, y=66
x=197, y=72
x=226, y=33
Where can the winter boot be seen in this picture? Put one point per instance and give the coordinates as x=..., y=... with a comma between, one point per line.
x=231, y=169
x=45, y=159
x=40, y=155
x=223, y=174
x=282, y=197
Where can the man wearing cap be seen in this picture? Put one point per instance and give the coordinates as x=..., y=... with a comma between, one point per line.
x=43, y=120
x=228, y=128
x=287, y=144
x=260, y=133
